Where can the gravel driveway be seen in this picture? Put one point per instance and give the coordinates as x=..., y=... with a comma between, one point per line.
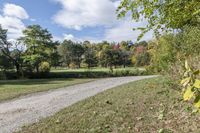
x=31, y=108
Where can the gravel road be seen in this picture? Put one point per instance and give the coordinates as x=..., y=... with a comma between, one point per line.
x=31, y=108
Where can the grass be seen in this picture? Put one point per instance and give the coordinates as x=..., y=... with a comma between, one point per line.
x=14, y=88
x=147, y=106
x=96, y=69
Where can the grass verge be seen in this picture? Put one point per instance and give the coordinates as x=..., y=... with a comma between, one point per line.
x=146, y=106
x=14, y=88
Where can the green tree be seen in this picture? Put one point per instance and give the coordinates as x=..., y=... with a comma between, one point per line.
x=162, y=15
x=90, y=54
x=71, y=52
x=90, y=58
x=77, y=52
x=39, y=45
x=7, y=54
x=65, y=51
x=110, y=58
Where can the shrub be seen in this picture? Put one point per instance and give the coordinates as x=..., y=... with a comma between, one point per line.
x=72, y=65
x=44, y=67
x=191, y=86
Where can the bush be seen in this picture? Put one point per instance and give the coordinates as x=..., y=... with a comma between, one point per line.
x=169, y=52
x=72, y=65
x=191, y=86
x=44, y=67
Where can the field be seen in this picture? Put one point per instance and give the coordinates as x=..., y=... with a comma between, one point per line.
x=147, y=106
x=96, y=72
x=14, y=88
x=96, y=69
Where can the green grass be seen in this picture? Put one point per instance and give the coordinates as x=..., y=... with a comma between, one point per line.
x=146, y=106
x=14, y=88
x=96, y=69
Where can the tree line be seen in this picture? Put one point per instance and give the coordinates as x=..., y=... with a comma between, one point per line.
x=36, y=52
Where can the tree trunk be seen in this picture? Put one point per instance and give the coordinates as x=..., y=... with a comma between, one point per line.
x=17, y=66
x=37, y=69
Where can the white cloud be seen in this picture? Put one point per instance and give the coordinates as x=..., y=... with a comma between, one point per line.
x=124, y=31
x=75, y=39
x=76, y=14
x=12, y=19
x=15, y=11
x=68, y=37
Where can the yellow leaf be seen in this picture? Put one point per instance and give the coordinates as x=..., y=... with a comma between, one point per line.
x=188, y=94
x=197, y=105
x=197, y=84
x=187, y=65
x=185, y=81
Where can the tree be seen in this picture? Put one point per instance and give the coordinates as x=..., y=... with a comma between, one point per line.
x=162, y=15
x=90, y=58
x=90, y=54
x=71, y=52
x=125, y=58
x=110, y=58
x=5, y=62
x=65, y=51
x=77, y=52
x=6, y=53
x=55, y=57
x=39, y=45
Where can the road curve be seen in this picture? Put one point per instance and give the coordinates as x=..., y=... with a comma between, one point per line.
x=31, y=108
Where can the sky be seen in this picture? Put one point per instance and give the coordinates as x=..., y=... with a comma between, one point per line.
x=77, y=20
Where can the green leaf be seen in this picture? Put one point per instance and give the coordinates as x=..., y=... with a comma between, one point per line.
x=196, y=13
x=197, y=84
x=197, y=72
x=188, y=94
x=197, y=102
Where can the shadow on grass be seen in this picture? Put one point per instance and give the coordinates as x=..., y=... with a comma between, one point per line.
x=33, y=81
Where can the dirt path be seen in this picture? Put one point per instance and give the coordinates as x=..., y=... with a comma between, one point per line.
x=29, y=109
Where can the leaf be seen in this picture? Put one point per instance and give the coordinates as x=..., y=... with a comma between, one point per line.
x=197, y=102
x=187, y=67
x=196, y=13
x=197, y=84
x=185, y=81
x=197, y=72
x=188, y=94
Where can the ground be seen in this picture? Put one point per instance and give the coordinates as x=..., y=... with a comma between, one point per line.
x=14, y=88
x=147, y=106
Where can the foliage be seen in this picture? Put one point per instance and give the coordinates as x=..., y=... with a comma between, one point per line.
x=133, y=60
x=5, y=62
x=143, y=59
x=7, y=54
x=162, y=15
x=71, y=52
x=44, y=67
x=36, y=46
x=169, y=51
x=191, y=85
x=39, y=45
x=90, y=58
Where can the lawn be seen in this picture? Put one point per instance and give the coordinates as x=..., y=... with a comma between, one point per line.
x=147, y=106
x=97, y=72
x=14, y=88
x=95, y=69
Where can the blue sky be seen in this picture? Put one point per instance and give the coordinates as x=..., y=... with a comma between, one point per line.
x=78, y=20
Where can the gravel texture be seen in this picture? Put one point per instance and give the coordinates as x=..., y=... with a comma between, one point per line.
x=31, y=108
